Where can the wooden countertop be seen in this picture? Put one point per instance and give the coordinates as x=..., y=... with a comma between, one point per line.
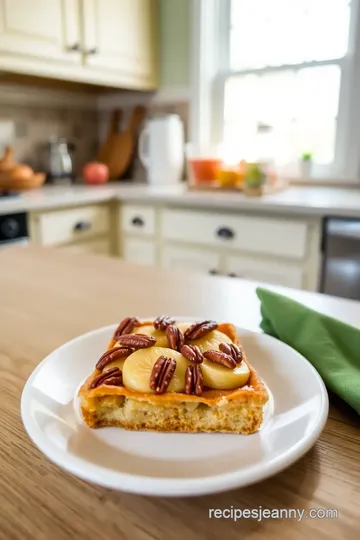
x=48, y=297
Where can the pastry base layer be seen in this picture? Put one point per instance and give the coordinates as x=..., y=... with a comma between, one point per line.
x=189, y=417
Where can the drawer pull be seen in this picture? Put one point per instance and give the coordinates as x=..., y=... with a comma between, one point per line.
x=137, y=222
x=225, y=233
x=213, y=272
x=82, y=226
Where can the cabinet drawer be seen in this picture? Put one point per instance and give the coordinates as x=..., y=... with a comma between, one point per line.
x=253, y=234
x=139, y=251
x=138, y=219
x=272, y=272
x=190, y=259
x=71, y=225
x=100, y=247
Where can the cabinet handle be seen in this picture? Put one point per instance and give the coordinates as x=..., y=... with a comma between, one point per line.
x=213, y=272
x=74, y=48
x=225, y=233
x=138, y=221
x=82, y=226
x=92, y=51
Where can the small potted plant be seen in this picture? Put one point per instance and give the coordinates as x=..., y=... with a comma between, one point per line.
x=306, y=164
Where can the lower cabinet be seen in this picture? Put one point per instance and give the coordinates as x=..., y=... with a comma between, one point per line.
x=101, y=247
x=190, y=259
x=139, y=251
x=268, y=271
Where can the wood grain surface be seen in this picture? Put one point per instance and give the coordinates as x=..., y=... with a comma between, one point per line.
x=48, y=297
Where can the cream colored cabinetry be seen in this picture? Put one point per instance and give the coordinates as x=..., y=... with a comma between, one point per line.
x=187, y=258
x=81, y=229
x=119, y=39
x=105, y=42
x=270, y=249
x=40, y=29
x=138, y=234
x=269, y=271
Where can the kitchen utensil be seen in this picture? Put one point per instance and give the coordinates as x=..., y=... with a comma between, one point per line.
x=107, y=148
x=58, y=162
x=120, y=147
x=161, y=149
x=174, y=464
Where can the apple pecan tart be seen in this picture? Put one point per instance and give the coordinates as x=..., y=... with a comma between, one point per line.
x=165, y=375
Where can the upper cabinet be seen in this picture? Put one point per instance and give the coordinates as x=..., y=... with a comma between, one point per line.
x=104, y=42
x=41, y=30
x=119, y=39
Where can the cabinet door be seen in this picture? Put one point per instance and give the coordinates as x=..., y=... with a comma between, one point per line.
x=266, y=271
x=139, y=251
x=180, y=258
x=119, y=40
x=98, y=247
x=40, y=29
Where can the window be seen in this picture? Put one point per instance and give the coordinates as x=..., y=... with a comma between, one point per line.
x=284, y=82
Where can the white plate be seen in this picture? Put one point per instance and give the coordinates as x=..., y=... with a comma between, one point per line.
x=173, y=464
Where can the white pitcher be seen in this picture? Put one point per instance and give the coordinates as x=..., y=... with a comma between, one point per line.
x=161, y=149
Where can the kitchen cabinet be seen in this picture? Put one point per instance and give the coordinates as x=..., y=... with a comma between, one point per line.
x=180, y=258
x=271, y=249
x=119, y=39
x=96, y=247
x=40, y=30
x=265, y=270
x=101, y=42
x=139, y=251
x=81, y=229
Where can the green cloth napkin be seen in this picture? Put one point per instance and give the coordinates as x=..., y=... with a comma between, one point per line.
x=331, y=346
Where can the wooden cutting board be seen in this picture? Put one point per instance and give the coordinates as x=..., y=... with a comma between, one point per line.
x=119, y=148
x=106, y=149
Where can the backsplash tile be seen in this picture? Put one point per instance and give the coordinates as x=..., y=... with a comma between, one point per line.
x=35, y=125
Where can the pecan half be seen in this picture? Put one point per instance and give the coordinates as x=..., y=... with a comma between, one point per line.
x=161, y=374
x=116, y=380
x=162, y=322
x=192, y=353
x=221, y=358
x=112, y=354
x=175, y=337
x=198, y=330
x=125, y=327
x=231, y=350
x=136, y=341
x=193, y=380
x=115, y=371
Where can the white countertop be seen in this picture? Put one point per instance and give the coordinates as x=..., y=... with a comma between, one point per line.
x=306, y=201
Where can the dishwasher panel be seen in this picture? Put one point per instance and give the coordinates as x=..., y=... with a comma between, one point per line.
x=341, y=264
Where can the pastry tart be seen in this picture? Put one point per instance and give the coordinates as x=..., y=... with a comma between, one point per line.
x=165, y=375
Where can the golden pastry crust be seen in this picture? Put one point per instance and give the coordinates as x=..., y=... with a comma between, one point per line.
x=235, y=411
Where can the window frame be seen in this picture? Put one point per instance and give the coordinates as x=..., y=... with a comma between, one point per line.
x=210, y=70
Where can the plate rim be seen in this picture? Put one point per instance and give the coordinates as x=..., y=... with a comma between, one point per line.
x=170, y=487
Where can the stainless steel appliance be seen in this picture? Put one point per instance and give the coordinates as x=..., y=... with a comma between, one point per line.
x=58, y=161
x=341, y=262
x=13, y=229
